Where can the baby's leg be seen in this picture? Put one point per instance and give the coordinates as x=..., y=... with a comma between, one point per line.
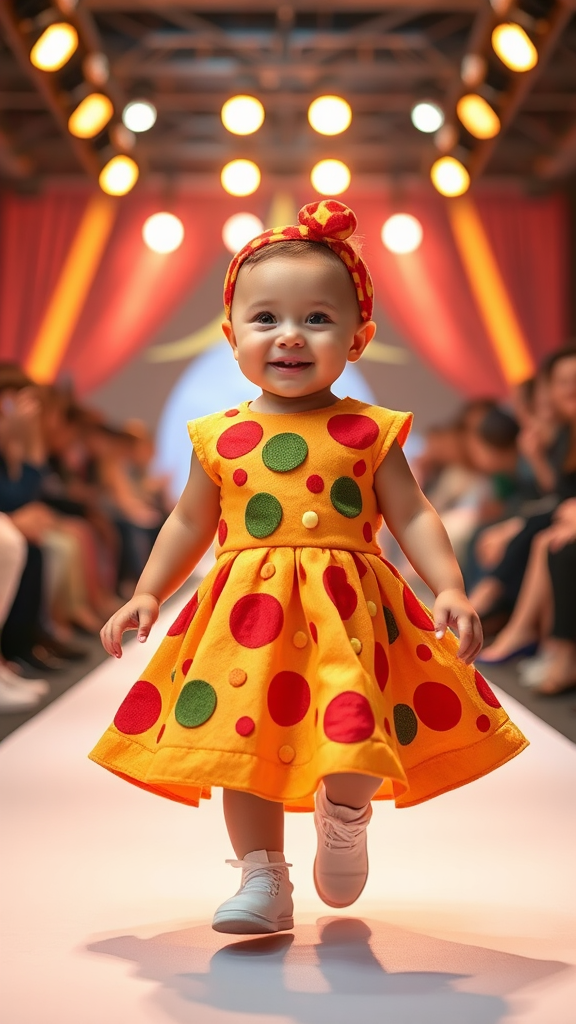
x=343, y=812
x=351, y=790
x=253, y=823
x=264, y=901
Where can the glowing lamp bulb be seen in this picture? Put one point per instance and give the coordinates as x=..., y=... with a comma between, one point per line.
x=242, y=115
x=54, y=47
x=330, y=177
x=119, y=175
x=515, y=49
x=449, y=176
x=427, y=117
x=90, y=116
x=477, y=116
x=163, y=232
x=240, y=229
x=139, y=115
x=401, y=233
x=329, y=115
x=240, y=177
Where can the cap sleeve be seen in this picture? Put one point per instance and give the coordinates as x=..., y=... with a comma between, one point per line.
x=201, y=433
x=394, y=426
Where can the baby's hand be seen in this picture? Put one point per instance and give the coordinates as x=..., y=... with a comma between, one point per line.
x=140, y=613
x=452, y=608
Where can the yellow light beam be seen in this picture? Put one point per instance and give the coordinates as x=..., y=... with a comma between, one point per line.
x=490, y=292
x=71, y=290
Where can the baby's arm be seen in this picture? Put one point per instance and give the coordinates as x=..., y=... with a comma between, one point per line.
x=185, y=536
x=420, y=533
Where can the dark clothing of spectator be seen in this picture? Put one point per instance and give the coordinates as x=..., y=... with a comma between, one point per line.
x=562, y=566
x=21, y=627
x=16, y=493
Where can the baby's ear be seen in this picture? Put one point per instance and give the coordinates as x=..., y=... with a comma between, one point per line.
x=362, y=337
x=228, y=332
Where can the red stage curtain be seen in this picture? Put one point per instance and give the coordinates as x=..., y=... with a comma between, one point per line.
x=136, y=290
x=427, y=294
x=529, y=237
x=35, y=235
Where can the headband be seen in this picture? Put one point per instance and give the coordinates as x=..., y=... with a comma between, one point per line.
x=328, y=222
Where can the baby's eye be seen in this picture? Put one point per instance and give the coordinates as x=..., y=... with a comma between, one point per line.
x=318, y=318
x=264, y=318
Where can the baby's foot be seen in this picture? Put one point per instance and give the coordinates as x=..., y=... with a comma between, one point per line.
x=263, y=903
x=341, y=865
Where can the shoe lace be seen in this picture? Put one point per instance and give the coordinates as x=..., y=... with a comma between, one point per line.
x=261, y=878
x=341, y=835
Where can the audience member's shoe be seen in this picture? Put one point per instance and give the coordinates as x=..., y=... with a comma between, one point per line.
x=263, y=903
x=341, y=865
x=532, y=671
x=526, y=651
x=15, y=697
x=61, y=648
x=37, y=659
x=38, y=686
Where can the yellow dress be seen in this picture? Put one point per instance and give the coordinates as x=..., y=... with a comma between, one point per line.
x=304, y=652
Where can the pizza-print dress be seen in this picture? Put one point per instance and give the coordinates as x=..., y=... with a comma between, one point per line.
x=304, y=652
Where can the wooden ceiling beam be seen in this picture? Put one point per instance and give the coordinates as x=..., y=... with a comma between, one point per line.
x=562, y=162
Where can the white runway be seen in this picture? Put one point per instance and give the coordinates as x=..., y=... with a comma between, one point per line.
x=468, y=916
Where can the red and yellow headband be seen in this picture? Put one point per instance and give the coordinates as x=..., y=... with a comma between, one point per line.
x=327, y=221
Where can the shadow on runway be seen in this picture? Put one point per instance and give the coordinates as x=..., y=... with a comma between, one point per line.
x=339, y=970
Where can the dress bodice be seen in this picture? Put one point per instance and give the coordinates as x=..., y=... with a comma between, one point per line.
x=298, y=479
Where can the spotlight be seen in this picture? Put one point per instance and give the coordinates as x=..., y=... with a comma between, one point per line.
x=329, y=115
x=242, y=115
x=427, y=117
x=139, y=115
x=163, y=232
x=119, y=175
x=449, y=176
x=54, y=47
x=90, y=116
x=515, y=49
x=240, y=177
x=239, y=229
x=330, y=177
x=401, y=233
x=477, y=116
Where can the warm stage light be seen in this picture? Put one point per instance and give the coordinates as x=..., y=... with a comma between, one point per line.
x=477, y=116
x=240, y=229
x=139, y=115
x=329, y=115
x=90, y=116
x=240, y=177
x=401, y=233
x=242, y=115
x=427, y=117
x=163, y=232
x=54, y=47
x=449, y=176
x=119, y=175
x=515, y=49
x=330, y=177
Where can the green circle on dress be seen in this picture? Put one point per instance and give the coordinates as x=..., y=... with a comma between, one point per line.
x=263, y=515
x=346, y=497
x=391, y=624
x=405, y=723
x=196, y=704
x=284, y=452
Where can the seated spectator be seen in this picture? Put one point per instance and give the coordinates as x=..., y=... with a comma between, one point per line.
x=546, y=607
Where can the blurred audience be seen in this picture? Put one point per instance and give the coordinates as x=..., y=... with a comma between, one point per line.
x=79, y=512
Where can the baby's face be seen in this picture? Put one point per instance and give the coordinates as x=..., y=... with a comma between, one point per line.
x=295, y=324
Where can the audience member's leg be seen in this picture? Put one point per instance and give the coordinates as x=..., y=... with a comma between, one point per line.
x=13, y=555
x=561, y=669
x=531, y=618
x=21, y=625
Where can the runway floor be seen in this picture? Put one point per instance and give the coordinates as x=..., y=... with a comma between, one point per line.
x=468, y=916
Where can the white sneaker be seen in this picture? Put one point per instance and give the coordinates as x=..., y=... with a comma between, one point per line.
x=38, y=686
x=16, y=698
x=263, y=902
x=341, y=865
